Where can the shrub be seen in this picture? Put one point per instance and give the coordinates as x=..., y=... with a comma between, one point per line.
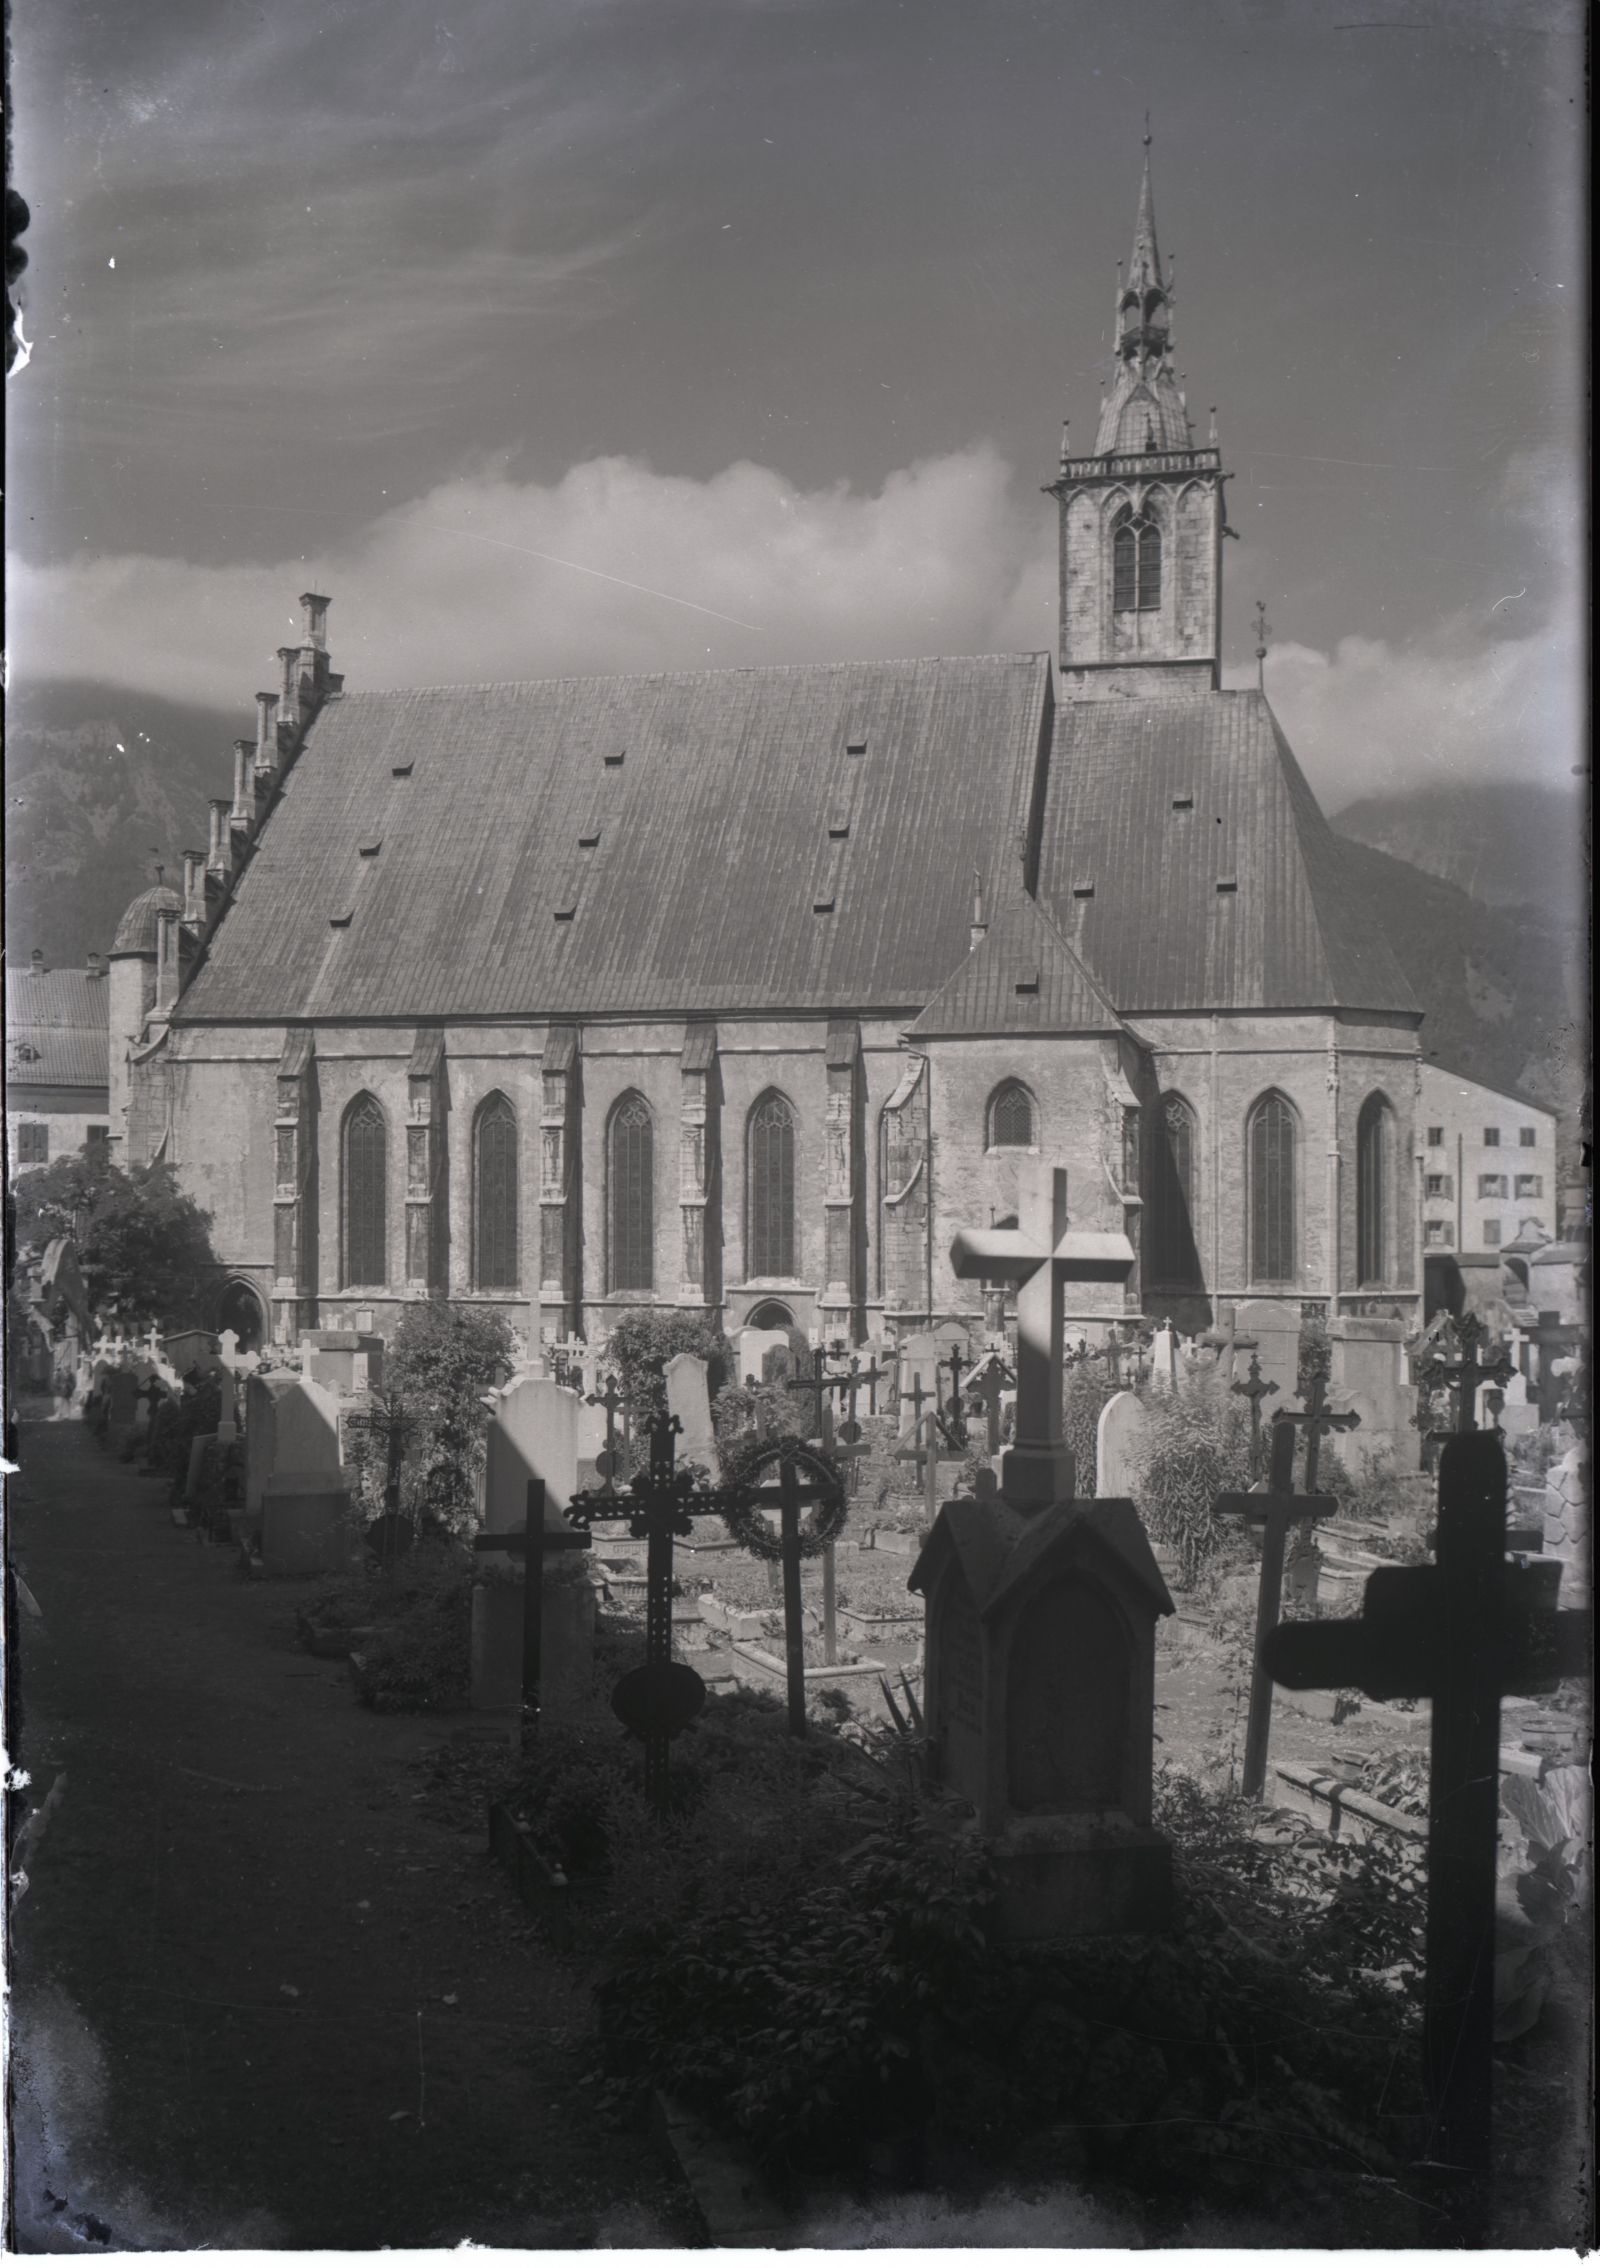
x=419, y=1656
x=1197, y=1445
x=439, y=1365
x=645, y=1338
x=738, y=1408
x=1316, y=1354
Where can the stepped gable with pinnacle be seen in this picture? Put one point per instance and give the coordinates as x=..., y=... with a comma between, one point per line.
x=581, y=994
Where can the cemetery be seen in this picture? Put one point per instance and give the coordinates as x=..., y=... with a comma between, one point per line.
x=948, y=1761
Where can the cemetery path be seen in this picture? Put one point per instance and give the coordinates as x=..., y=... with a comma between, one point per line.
x=259, y=1998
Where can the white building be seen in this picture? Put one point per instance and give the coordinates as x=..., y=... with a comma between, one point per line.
x=57, y=1062
x=1488, y=1166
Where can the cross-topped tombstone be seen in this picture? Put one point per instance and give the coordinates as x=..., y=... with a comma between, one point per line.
x=985, y=1391
x=609, y=1462
x=1462, y=1633
x=848, y=1384
x=804, y=1480
x=1039, y=1256
x=1271, y=1508
x=662, y=1696
x=1255, y=1389
x=1467, y=1372
x=1315, y=1420
x=530, y=1547
x=954, y=1424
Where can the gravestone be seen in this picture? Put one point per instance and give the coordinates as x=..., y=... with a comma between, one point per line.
x=340, y=1358
x=1164, y=1366
x=1518, y=1413
x=308, y=1526
x=291, y=1425
x=1275, y=1328
x=753, y=1346
x=535, y=1433
x=1119, y=1445
x=1041, y=1705
x=193, y=1350
x=1367, y=1374
x=689, y=1400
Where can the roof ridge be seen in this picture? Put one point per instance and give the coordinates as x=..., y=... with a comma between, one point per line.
x=1027, y=656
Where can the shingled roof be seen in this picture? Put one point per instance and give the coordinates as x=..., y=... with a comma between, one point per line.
x=1185, y=857
x=1022, y=976
x=766, y=839
x=57, y=1028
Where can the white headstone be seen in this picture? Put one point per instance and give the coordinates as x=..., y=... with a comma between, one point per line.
x=1118, y=1443
x=753, y=1345
x=689, y=1400
x=1163, y=1360
x=533, y=1435
x=291, y=1426
x=1275, y=1328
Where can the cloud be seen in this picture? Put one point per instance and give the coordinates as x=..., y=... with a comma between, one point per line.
x=613, y=568
x=617, y=567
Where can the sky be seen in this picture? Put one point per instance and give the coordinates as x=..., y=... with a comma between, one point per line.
x=555, y=336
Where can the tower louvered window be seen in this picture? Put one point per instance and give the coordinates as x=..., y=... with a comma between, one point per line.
x=1172, y=1253
x=1135, y=563
x=1372, y=1191
x=1272, y=1191
x=494, y=1193
x=771, y=1184
x=633, y=1197
x=366, y=1203
x=1011, y=1117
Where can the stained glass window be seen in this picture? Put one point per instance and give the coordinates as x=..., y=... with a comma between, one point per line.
x=633, y=1196
x=366, y=1197
x=494, y=1221
x=1272, y=1191
x=771, y=1185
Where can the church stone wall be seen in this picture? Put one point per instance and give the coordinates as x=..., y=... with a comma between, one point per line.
x=482, y=1060
x=792, y=1057
x=352, y=1060
x=224, y=1100
x=1381, y=1058
x=616, y=1059
x=1077, y=1126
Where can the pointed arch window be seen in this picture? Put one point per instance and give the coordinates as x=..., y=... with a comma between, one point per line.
x=1172, y=1242
x=631, y=1168
x=1374, y=1141
x=1135, y=563
x=1271, y=1144
x=364, y=1212
x=1013, y=1120
x=771, y=1185
x=494, y=1196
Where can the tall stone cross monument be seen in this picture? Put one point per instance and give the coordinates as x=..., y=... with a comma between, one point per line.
x=1041, y=1614
x=1041, y=1255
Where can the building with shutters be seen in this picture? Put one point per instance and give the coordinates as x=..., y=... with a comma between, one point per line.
x=57, y=1062
x=743, y=991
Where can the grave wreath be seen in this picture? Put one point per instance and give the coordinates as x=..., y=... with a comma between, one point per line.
x=741, y=1470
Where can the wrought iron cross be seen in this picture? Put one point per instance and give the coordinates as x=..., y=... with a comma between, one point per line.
x=814, y=1383
x=1256, y=1390
x=849, y=1383
x=1462, y=1633
x=530, y=1547
x=660, y=1698
x=788, y=1497
x=1272, y=1509
x=984, y=1390
x=953, y=1424
x=1467, y=1373
x=1315, y=1420
x=608, y=1461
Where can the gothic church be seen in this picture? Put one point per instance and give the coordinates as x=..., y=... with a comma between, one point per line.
x=742, y=991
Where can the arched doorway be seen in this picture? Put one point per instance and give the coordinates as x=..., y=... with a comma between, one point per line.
x=771, y=1315
x=243, y=1313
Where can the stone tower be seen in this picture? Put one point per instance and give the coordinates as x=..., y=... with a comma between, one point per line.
x=1142, y=516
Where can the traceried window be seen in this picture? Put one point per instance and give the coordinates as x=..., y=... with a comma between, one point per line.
x=1135, y=563
x=770, y=1182
x=1012, y=1118
x=1172, y=1253
x=1374, y=1148
x=365, y=1211
x=494, y=1196
x=632, y=1169
x=1271, y=1152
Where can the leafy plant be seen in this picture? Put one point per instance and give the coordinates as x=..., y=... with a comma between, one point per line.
x=1196, y=1445
x=1084, y=1395
x=438, y=1366
x=643, y=1340
x=419, y=1656
x=738, y=1409
x=1316, y=1354
x=144, y=1248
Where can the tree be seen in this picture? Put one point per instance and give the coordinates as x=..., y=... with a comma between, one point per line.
x=144, y=1248
x=643, y=1339
x=438, y=1366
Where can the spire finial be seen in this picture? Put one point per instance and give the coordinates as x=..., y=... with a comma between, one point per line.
x=1263, y=633
x=1148, y=136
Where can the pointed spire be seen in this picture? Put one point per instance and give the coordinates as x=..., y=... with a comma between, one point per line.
x=1144, y=409
x=1144, y=263
x=1143, y=299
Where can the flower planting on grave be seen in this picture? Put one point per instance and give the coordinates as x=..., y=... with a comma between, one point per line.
x=407, y=1624
x=1196, y=1448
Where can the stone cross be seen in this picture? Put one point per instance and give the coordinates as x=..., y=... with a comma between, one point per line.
x=1272, y=1508
x=1467, y=1373
x=663, y=1696
x=1256, y=1392
x=1462, y=1633
x=609, y=1461
x=1039, y=1257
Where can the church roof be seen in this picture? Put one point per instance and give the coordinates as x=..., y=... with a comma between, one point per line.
x=1022, y=976
x=756, y=839
x=1185, y=858
x=57, y=1028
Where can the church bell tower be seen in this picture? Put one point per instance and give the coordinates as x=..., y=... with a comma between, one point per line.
x=1142, y=515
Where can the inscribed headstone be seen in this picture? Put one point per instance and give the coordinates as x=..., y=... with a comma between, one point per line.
x=1119, y=1444
x=753, y=1345
x=1366, y=1374
x=689, y=1400
x=533, y=1435
x=1275, y=1328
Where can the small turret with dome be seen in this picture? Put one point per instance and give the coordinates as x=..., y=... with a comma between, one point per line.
x=145, y=963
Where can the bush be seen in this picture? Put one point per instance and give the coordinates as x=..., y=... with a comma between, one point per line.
x=438, y=1367
x=1316, y=1355
x=1196, y=1446
x=419, y=1656
x=739, y=1409
x=642, y=1340
x=144, y=1248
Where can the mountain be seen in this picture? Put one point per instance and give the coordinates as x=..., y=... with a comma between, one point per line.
x=1506, y=843
x=101, y=784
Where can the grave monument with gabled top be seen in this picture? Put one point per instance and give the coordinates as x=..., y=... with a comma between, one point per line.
x=1041, y=1614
